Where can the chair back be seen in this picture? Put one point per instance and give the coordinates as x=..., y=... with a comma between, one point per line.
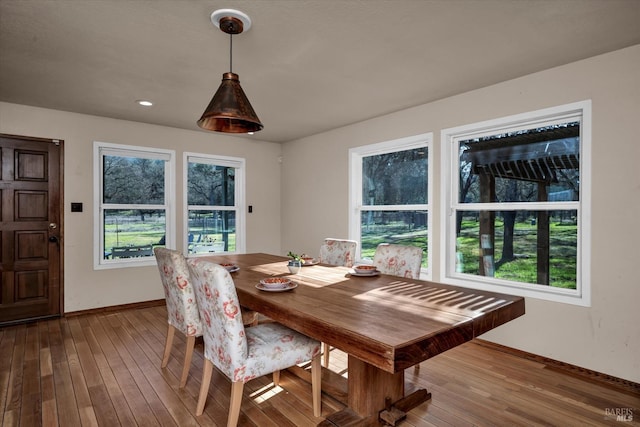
x=225, y=343
x=398, y=260
x=338, y=252
x=178, y=291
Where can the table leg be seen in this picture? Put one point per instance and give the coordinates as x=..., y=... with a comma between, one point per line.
x=370, y=387
x=374, y=395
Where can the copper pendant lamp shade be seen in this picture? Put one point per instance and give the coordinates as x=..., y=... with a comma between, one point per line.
x=230, y=110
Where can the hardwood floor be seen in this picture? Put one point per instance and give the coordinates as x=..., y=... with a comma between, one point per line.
x=103, y=369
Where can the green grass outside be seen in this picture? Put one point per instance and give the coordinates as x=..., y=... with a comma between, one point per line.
x=562, y=257
x=144, y=234
x=522, y=269
x=150, y=233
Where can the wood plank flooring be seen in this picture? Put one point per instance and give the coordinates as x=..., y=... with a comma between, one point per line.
x=103, y=369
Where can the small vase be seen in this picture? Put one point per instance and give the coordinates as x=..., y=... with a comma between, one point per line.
x=294, y=266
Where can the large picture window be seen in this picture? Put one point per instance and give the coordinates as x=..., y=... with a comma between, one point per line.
x=215, y=204
x=133, y=189
x=516, y=215
x=390, y=195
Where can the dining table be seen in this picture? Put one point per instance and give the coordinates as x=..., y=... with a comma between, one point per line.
x=385, y=324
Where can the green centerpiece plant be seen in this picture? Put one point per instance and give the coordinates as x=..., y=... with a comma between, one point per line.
x=295, y=263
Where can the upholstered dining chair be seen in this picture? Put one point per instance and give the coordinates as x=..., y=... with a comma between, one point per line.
x=243, y=354
x=398, y=260
x=336, y=252
x=181, y=305
x=182, y=310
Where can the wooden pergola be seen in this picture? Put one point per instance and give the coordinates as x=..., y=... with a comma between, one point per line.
x=532, y=156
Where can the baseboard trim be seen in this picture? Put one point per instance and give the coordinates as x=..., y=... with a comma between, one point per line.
x=567, y=368
x=143, y=304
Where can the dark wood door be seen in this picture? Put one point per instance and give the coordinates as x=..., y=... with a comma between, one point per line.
x=30, y=228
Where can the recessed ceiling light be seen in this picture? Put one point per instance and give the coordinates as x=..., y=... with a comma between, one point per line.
x=144, y=102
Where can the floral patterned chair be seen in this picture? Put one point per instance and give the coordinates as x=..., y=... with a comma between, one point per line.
x=398, y=260
x=181, y=305
x=336, y=252
x=243, y=354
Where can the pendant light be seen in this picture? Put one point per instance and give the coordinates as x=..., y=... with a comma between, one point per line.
x=230, y=111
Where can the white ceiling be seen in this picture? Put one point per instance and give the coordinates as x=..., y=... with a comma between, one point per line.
x=307, y=66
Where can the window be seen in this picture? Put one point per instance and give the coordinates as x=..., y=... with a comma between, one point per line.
x=389, y=193
x=214, y=188
x=515, y=217
x=133, y=187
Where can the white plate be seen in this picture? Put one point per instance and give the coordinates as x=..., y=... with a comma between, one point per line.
x=284, y=288
x=231, y=268
x=275, y=282
x=373, y=273
x=364, y=269
x=312, y=262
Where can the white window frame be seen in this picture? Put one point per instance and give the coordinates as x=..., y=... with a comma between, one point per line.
x=238, y=164
x=579, y=111
x=103, y=148
x=356, y=204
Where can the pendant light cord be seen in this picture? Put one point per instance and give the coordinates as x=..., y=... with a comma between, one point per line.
x=231, y=53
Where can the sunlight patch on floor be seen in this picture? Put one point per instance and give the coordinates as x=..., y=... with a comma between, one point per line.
x=265, y=393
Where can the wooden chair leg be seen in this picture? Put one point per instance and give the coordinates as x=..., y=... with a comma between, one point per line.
x=316, y=385
x=326, y=354
x=188, y=354
x=204, y=387
x=167, y=346
x=234, y=405
x=276, y=377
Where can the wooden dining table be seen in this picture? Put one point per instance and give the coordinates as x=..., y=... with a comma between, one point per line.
x=385, y=324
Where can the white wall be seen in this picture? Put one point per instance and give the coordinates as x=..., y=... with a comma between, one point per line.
x=604, y=337
x=86, y=288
